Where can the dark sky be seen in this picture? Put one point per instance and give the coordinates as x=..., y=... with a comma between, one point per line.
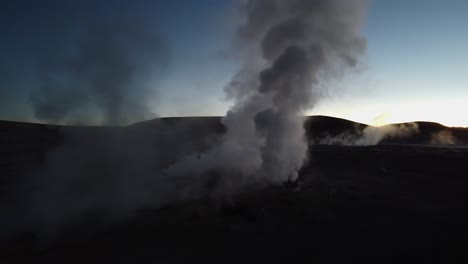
x=415, y=67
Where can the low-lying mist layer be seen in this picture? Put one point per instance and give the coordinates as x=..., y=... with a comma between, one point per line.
x=370, y=135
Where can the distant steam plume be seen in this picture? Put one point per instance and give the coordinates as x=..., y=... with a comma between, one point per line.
x=288, y=48
x=444, y=137
x=106, y=77
x=380, y=129
x=371, y=135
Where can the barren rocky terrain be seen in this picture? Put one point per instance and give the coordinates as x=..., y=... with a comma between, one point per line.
x=403, y=199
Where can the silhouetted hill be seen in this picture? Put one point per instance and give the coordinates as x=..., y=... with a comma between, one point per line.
x=26, y=144
x=319, y=127
x=431, y=133
x=29, y=137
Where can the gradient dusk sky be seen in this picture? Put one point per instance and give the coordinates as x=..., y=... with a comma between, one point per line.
x=415, y=68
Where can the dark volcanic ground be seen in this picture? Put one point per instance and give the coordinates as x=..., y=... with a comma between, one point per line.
x=387, y=203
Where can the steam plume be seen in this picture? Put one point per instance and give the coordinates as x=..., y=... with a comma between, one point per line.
x=370, y=135
x=288, y=47
x=373, y=135
x=444, y=137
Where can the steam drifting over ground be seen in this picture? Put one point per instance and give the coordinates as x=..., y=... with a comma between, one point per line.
x=372, y=135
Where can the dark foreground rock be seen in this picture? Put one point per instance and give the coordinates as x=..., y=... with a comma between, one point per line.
x=382, y=204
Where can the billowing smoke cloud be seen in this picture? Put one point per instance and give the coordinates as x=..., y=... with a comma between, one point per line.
x=289, y=47
x=107, y=76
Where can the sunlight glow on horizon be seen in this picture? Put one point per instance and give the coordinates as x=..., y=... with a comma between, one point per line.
x=448, y=112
